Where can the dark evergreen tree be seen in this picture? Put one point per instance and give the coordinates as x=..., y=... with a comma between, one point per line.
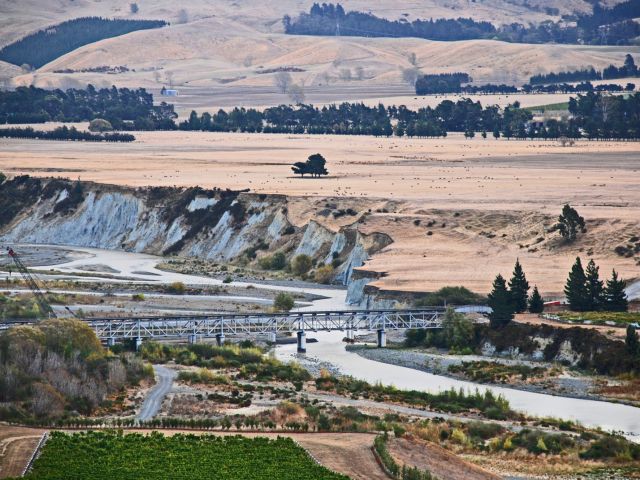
x=632, y=342
x=519, y=288
x=615, y=296
x=536, y=302
x=595, y=287
x=575, y=289
x=570, y=223
x=500, y=302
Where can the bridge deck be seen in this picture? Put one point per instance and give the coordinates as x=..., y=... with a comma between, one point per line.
x=209, y=326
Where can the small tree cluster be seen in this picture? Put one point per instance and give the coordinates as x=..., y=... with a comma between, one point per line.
x=586, y=292
x=506, y=300
x=314, y=166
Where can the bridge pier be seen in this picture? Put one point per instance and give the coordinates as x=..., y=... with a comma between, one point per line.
x=272, y=337
x=382, y=338
x=193, y=338
x=350, y=334
x=138, y=343
x=220, y=339
x=111, y=341
x=302, y=342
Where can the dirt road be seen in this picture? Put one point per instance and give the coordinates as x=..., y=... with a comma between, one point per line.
x=153, y=401
x=16, y=447
x=442, y=464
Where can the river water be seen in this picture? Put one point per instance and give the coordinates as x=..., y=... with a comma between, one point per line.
x=330, y=348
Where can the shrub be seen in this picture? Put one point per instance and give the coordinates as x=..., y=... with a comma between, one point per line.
x=100, y=125
x=324, y=274
x=283, y=302
x=137, y=297
x=451, y=295
x=301, y=264
x=612, y=446
x=176, y=288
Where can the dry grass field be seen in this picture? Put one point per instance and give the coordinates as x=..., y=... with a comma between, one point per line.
x=496, y=199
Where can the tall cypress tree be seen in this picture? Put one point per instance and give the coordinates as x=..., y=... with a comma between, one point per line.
x=500, y=302
x=595, y=287
x=615, y=296
x=536, y=302
x=632, y=342
x=519, y=288
x=575, y=289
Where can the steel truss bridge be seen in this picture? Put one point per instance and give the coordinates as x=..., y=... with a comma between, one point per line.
x=196, y=327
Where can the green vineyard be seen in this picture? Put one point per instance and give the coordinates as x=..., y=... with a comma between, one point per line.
x=108, y=455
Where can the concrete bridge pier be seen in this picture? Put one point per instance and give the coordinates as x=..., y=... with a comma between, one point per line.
x=193, y=338
x=382, y=338
x=272, y=337
x=138, y=343
x=302, y=342
x=111, y=341
x=220, y=339
x=350, y=334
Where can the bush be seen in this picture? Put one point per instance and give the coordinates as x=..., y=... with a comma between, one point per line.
x=612, y=446
x=176, y=288
x=324, y=274
x=137, y=297
x=277, y=261
x=301, y=264
x=451, y=295
x=283, y=302
x=100, y=125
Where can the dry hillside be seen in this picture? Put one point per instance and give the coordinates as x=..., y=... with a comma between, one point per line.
x=224, y=46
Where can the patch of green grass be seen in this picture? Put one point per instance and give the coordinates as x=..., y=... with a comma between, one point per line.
x=601, y=318
x=551, y=107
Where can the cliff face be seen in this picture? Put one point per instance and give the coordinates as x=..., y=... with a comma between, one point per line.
x=210, y=224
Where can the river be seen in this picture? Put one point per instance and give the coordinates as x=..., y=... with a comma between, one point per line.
x=330, y=349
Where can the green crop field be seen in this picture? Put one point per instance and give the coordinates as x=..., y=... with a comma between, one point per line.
x=109, y=455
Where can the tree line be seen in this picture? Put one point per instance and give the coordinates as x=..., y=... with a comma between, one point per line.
x=445, y=83
x=594, y=116
x=44, y=46
x=441, y=83
x=628, y=69
x=615, y=26
x=584, y=290
x=65, y=133
x=123, y=108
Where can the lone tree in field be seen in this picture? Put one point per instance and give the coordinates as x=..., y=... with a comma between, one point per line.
x=576, y=289
x=519, y=288
x=314, y=166
x=283, y=81
x=500, y=302
x=595, y=287
x=615, y=296
x=536, y=302
x=570, y=223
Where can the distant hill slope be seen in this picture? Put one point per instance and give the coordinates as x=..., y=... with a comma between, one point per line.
x=236, y=46
x=46, y=45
